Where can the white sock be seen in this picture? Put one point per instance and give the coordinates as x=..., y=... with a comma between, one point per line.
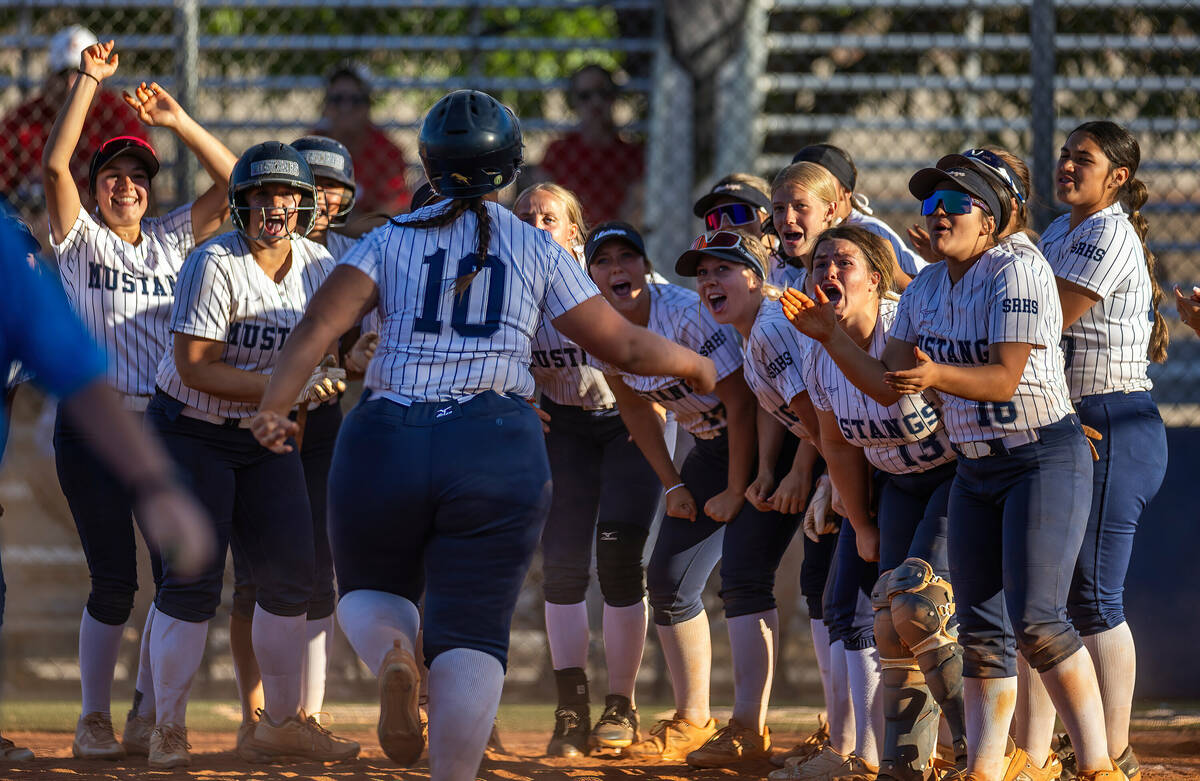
x=1033, y=721
x=99, y=644
x=1076, y=694
x=624, y=641
x=688, y=649
x=1115, y=658
x=988, y=703
x=753, y=644
x=862, y=669
x=145, y=676
x=841, y=712
x=820, y=638
x=374, y=620
x=319, y=638
x=176, y=648
x=279, y=645
x=567, y=634
x=464, y=693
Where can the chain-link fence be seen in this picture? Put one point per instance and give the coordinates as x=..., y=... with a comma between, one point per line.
x=699, y=90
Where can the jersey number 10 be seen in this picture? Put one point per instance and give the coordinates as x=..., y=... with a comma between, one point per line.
x=429, y=321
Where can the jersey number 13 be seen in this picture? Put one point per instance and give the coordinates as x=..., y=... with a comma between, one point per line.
x=429, y=320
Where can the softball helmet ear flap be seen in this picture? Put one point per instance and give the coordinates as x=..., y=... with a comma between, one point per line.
x=470, y=144
x=272, y=162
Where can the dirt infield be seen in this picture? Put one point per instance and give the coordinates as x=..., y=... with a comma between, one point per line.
x=1167, y=755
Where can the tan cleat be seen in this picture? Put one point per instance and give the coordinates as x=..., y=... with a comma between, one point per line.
x=94, y=738
x=1116, y=774
x=401, y=732
x=1022, y=768
x=806, y=748
x=297, y=738
x=169, y=747
x=245, y=730
x=819, y=765
x=671, y=739
x=11, y=752
x=136, y=735
x=735, y=742
x=855, y=769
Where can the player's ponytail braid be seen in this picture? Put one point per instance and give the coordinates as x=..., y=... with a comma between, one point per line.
x=1122, y=151
x=459, y=207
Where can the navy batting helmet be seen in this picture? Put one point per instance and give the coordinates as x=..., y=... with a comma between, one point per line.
x=470, y=145
x=272, y=162
x=330, y=159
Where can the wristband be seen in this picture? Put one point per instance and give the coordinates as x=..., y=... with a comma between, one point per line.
x=672, y=488
x=85, y=73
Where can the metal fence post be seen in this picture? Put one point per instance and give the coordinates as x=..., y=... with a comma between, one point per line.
x=187, y=79
x=1042, y=68
x=737, y=137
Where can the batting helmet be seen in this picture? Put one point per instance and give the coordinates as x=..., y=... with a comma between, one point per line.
x=330, y=159
x=470, y=145
x=272, y=162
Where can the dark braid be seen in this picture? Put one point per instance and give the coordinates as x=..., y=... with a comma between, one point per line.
x=458, y=207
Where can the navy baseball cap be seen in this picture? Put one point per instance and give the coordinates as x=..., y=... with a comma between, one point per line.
x=725, y=244
x=924, y=182
x=608, y=231
x=738, y=191
x=116, y=147
x=990, y=164
x=833, y=159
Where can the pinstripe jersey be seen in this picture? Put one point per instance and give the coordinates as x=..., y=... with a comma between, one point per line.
x=123, y=292
x=563, y=373
x=1105, y=349
x=910, y=262
x=1008, y=295
x=226, y=297
x=900, y=438
x=436, y=346
x=677, y=314
x=338, y=245
x=775, y=356
x=783, y=274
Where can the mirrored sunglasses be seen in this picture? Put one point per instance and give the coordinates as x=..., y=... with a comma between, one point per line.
x=733, y=213
x=952, y=201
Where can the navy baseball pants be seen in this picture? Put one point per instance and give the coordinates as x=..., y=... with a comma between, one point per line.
x=603, y=487
x=250, y=492
x=912, y=518
x=1016, y=524
x=749, y=547
x=442, y=499
x=847, y=599
x=103, y=511
x=1133, y=462
x=320, y=434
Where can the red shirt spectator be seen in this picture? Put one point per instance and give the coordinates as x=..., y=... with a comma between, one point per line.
x=600, y=173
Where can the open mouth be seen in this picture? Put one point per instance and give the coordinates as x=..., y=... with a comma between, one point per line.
x=793, y=237
x=275, y=225
x=832, y=292
x=716, y=302
x=940, y=228
x=621, y=288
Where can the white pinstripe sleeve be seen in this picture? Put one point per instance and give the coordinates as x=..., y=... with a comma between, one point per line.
x=1014, y=307
x=178, y=231
x=203, y=298
x=1100, y=256
x=366, y=256
x=816, y=394
x=568, y=285
x=904, y=327
x=75, y=245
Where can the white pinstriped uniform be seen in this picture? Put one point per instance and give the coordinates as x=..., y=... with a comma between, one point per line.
x=677, y=314
x=226, y=297
x=783, y=274
x=775, y=357
x=436, y=346
x=1106, y=347
x=123, y=292
x=338, y=245
x=910, y=262
x=1008, y=295
x=900, y=438
x=563, y=373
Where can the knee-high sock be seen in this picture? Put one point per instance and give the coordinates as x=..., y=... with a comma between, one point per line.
x=176, y=648
x=1076, y=694
x=464, y=693
x=688, y=649
x=99, y=644
x=862, y=669
x=374, y=620
x=1115, y=658
x=567, y=634
x=820, y=638
x=841, y=711
x=143, y=691
x=318, y=639
x=753, y=643
x=279, y=645
x=624, y=641
x=1033, y=721
x=989, y=705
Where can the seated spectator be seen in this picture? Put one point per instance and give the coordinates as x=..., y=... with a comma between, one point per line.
x=378, y=163
x=23, y=130
x=594, y=161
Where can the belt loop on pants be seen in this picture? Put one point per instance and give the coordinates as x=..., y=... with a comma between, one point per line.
x=134, y=403
x=996, y=447
x=197, y=414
